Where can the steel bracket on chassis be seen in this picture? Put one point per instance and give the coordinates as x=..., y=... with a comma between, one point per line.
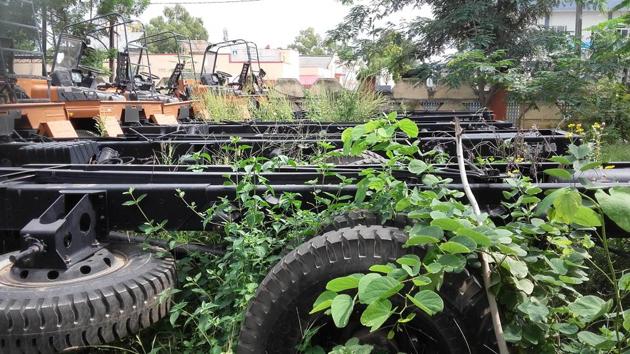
x=71, y=230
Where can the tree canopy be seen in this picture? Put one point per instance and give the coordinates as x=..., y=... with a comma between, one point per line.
x=60, y=13
x=488, y=25
x=177, y=20
x=308, y=42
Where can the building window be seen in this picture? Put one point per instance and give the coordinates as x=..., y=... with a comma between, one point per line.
x=625, y=32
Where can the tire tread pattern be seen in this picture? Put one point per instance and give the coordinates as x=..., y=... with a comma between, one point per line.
x=104, y=310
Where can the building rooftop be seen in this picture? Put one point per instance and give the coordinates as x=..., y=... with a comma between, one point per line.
x=315, y=61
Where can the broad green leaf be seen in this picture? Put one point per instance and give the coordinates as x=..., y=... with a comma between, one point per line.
x=409, y=127
x=435, y=267
x=428, y=301
x=402, y=204
x=589, y=308
x=565, y=328
x=466, y=241
x=364, y=284
x=624, y=282
x=346, y=135
x=479, y=238
x=423, y=235
x=579, y=152
x=566, y=204
x=557, y=266
x=430, y=180
x=536, y=311
x=420, y=241
x=452, y=262
x=341, y=309
x=343, y=283
x=421, y=280
x=559, y=172
x=543, y=207
x=516, y=267
x=454, y=248
x=410, y=263
x=532, y=333
x=586, y=216
x=380, y=288
x=592, y=339
x=561, y=160
x=590, y=166
x=422, y=230
x=513, y=333
x=323, y=301
x=525, y=285
x=616, y=206
x=381, y=268
x=512, y=249
x=446, y=224
x=417, y=167
x=376, y=314
x=626, y=320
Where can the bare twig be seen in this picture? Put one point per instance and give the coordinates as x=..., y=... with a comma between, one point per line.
x=492, y=301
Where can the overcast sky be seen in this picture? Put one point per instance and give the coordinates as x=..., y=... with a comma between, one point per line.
x=266, y=22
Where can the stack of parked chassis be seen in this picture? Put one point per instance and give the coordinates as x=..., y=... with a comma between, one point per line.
x=68, y=278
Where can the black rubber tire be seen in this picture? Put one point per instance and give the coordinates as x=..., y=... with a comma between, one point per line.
x=366, y=217
x=272, y=324
x=366, y=158
x=53, y=317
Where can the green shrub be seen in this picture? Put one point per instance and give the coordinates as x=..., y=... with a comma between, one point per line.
x=607, y=102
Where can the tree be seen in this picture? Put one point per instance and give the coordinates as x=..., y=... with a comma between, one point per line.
x=178, y=20
x=125, y=8
x=485, y=73
x=487, y=26
x=60, y=13
x=310, y=43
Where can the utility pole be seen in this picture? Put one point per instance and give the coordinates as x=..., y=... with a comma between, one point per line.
x=579, y=6
x=112, y=44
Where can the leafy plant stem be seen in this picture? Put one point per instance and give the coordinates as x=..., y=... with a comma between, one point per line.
x=611, y=269
x=492, y=301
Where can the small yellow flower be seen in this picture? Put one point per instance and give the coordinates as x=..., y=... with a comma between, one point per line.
x=569, y=135
x=609, y=167
x=571, y=125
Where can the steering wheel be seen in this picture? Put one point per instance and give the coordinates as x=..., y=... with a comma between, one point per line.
x=91, y=69
x=150, y=76
x=223, y=74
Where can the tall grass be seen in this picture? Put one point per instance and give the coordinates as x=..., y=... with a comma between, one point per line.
x=218, y=106
x=324, y=106
x=343, y=106
x=274, y=107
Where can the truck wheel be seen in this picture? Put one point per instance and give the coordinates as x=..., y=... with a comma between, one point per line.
x=366, y=158
x=119, y=297
x=277, y=318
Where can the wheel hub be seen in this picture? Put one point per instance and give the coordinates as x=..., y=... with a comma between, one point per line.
x=101, y=263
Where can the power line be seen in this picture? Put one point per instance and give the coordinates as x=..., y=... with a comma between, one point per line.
x=201, y=2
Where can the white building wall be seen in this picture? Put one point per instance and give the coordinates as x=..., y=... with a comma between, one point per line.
x=564, y=18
